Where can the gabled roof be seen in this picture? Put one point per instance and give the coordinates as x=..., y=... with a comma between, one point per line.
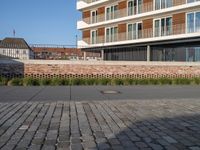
x=16, y=43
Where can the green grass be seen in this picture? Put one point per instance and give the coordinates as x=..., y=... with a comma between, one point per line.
x=94, y=81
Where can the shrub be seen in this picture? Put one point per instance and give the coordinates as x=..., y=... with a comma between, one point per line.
x=182, y=81
x=31, y=82
x=57, y=82
x=153, y=81
x=128, y=81
x=164, y=81
x=3, y=81
x=91, y=81
x=196, y=81
x=15, y=82
x=104, y=81
x=45, y=82
x=117, y=81
x=77, y=81
x=66, y=81
x=142, y=82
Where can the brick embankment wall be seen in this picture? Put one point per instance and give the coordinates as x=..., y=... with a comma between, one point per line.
x=67, y=69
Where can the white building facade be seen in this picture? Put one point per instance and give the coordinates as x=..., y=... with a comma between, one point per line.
x=141, y=30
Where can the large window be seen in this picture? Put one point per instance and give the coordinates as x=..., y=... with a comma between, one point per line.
x=111, y=12
x=134, y=31
x=161, y=4
x=163, y=26
x=193, y=22
x=134, y=7
x=93, y=36
x=190, y=54
x=111, y=34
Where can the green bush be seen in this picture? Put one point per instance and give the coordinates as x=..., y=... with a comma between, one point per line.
x=153, y=81
x=31, y=82
x=117, y=81
x=91, y=81
x=142, y=82
x=196, y=81
x=15, y=82
x=3, y=81
x=164, y=81
x=104, y=81
x=77, y=81
x=182, y=81
x=66, y=81
x=128, y=81
x=101, y=81
x=45, y=82
x=57, y=82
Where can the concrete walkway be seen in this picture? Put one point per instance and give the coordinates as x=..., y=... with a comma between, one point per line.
x=96, y=93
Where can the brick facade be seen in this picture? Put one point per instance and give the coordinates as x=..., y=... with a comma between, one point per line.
x=66, y=69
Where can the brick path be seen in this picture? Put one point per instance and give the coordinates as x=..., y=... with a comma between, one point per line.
x=117, y=125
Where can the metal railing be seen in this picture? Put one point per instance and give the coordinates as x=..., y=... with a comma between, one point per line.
x=142, y=34
x=146, y=7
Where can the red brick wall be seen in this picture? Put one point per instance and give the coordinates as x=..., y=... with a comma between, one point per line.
x=99, y=70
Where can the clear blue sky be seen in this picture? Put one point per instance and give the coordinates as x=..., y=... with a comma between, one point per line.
x=40, y=21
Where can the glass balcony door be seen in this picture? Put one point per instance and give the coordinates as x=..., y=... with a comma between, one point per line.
x=111, y=12
x=94, y=16
x=193, y=22
x=111, y=34
x=163, y=27
x=94, y=37
x=135, y=31
x=161, y=4
x=134, y=7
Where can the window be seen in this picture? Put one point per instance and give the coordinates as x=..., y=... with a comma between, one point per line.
x=163, y=27
x=111, y=12
x=24, y=52
x=111, y=34
x=161, y=4
x=94, y=36
x=134, y=31
x=4, y=51
x=193, y=22
x=94, y=16
x=134, y=7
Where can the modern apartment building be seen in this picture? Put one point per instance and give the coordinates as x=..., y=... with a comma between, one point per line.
x=141, y=30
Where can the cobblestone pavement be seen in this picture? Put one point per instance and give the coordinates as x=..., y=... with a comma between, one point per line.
x=117, y=125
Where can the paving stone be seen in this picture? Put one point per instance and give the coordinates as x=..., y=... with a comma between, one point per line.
x=194, y=148
x=163, y=124
x=169, y=139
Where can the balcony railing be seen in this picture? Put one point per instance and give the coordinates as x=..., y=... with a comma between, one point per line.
x=142, y=34
x=147, y=7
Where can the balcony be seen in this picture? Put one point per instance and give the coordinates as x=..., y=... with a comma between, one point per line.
x=147, y=7
x=146, y=35
x=126, y=14
x=82, y=4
